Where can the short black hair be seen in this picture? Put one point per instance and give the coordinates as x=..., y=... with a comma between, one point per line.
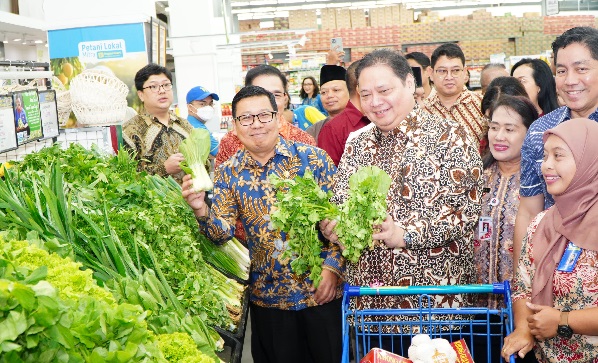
x=542, y=74
x=504, y=85
x=265, y=70
x=391, y=58
x=252, y=91
x=581, y=34
x=351, y=78
x=149, y=70
x=449, y=50
x=420, y=58
x=521, y=106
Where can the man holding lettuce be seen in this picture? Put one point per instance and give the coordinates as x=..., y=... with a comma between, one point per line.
x=291, y=321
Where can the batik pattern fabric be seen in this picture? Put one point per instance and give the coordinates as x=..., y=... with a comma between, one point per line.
x=153, y=142
x=242, y=190
x=573, y=290
x=435, y=195
x=493, y=255
x=466, y=111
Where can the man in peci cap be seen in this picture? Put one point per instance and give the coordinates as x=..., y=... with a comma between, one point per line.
x=200, y=108
x=333, y=93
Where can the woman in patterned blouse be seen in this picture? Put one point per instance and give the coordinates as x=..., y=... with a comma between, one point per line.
x=555, y=291
x=509, y=119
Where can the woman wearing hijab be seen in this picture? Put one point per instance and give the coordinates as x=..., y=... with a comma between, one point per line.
x=555, y=291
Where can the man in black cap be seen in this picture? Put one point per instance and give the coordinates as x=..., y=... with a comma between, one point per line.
x=333, y=93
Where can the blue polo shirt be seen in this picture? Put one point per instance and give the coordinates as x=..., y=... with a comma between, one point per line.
x=200, y=125
x=532, y=153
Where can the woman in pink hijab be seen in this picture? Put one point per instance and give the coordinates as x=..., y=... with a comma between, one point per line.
x=555, y=290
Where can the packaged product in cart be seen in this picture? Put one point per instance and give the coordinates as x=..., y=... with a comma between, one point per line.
x=377, y=355
x=463, y=353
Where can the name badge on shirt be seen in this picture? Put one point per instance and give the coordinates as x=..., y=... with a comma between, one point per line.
x=485, y=228
x=570, y=257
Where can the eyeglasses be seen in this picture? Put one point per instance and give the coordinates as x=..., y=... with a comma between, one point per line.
x=263, y=117
x=278, y=95
x=156, y=87
x=442, y=73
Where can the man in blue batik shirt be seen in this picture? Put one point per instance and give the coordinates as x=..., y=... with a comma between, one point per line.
x=200, y=107
x=576, y=60
x=291, y=321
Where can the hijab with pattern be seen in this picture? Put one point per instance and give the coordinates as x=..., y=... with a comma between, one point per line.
x=575, y=212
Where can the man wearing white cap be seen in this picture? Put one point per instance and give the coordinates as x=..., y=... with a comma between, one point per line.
x=200, y=108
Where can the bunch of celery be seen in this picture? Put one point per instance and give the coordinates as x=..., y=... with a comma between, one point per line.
x=196, y=149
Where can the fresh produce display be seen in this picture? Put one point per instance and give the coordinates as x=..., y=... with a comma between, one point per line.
x=54, y=311
x=364, y=207
x=134, y=231
x=196, y=149
x=301, y=204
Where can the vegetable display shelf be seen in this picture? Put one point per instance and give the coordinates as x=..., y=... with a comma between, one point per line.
x=233, y=342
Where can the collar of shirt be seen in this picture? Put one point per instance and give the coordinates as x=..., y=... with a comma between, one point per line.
x=149, y=119
x=246, y=160
x=464, y=97
x=566, y=115
x=354, y=115
x=402, y=131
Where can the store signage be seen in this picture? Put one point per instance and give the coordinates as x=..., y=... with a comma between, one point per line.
x=8, y=132
x=49, y=113
x=27, y=116
x=99, y=50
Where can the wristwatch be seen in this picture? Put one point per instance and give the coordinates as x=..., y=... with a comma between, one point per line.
x=407, y=238
x=564, y=330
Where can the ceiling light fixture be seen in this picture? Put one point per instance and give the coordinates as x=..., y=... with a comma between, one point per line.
x=38, y=41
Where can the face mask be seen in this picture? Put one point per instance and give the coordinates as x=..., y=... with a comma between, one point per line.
x=205, y=113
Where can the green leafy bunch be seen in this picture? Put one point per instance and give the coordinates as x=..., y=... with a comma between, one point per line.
x=76, y=322
x=365, y=206
x=301, y=204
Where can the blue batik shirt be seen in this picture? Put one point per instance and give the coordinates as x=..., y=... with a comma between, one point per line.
x=242, y=190
x=532, y=153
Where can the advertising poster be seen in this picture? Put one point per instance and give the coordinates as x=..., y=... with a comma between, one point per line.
x=8, y=136
x=27, y=116
x=49, y=113
x=117, y=49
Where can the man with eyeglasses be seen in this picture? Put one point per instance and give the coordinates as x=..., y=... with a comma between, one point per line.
x=273, y=81
x=291, y=321
x=450, y=98
x=154, y=136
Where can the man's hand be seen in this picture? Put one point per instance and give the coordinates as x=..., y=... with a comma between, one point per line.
x=334, y=57
x=520, y=341
x=327, y=229
x=195, y=200
x=326, y=291
x=545, y=321
x=172, y=163
x=391, y=234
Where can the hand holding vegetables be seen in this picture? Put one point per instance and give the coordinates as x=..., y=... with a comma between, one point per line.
x=196, y=200
x=172, y=163
x=195, y=150
x=391, y=234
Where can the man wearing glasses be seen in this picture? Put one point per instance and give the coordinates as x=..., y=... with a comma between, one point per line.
x=154, y=136
x=291, y=321
x=450, y=98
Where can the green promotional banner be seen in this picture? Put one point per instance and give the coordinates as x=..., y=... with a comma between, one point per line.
x=27, y=116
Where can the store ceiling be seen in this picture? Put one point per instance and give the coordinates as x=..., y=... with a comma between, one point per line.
x=14, y=27
x=247, y=9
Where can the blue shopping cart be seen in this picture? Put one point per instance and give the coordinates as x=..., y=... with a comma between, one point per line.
x=392, y=329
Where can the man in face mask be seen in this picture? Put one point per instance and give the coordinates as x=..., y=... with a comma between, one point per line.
x=200, y=107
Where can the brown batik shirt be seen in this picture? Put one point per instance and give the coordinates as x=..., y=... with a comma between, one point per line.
x=153, y=142
x=435, y=196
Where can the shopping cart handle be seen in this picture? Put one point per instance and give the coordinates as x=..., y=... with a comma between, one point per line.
x=496, y=288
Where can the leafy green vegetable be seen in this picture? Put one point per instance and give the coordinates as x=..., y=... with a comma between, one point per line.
x=179, y=348
x=196, y=149
x=301, y=204
x=364, y=207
